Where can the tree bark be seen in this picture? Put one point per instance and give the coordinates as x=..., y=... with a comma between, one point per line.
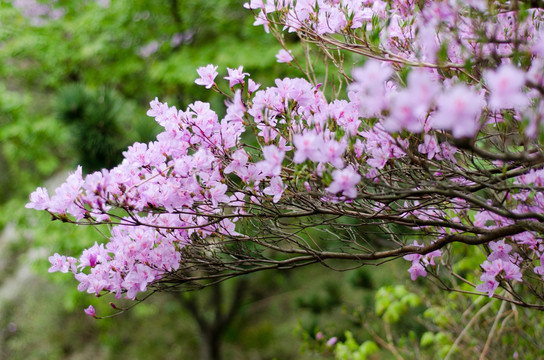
x=211, y=329
x=210, y=344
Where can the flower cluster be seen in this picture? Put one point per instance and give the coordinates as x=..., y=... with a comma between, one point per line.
x=436, y=135
x=498, y=263
x=420, y=262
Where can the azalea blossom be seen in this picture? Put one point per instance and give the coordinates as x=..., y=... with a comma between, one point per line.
x=90, y=311
x=506, y=87
x=459, y=110
x=308, y=146
x=284, y=56
x=207, y=75
x=236, y=76
x=275, y=189
x=344, y=181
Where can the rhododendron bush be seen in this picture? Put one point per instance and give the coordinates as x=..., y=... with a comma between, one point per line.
x=431, y=140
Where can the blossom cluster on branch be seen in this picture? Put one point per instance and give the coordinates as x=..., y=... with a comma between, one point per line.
x=435, y=141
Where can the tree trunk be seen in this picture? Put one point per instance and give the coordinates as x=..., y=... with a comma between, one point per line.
x=210, y=344
x=211, y=328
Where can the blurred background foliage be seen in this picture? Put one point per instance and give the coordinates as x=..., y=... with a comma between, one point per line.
x=76, y=78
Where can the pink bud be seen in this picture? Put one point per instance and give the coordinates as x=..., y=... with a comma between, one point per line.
x=90, y=311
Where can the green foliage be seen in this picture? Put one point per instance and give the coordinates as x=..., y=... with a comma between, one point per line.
x=351, y=350
x=321, y=301
x=361, y=278
x=30, y=145
x=99, y=124
x=394, y=302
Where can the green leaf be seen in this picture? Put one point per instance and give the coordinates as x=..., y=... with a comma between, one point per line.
x=369, y=347
x=427, y=339
x=350, y=341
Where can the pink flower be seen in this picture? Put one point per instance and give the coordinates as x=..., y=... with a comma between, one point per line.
x=308, y=146
x=371, y=75
x=417, y=270
x=419, y=262
x=478, y=4
x=346, y=115
x=506, y=87
x=344, y=181
x=423, y=87
x=284, y=56
x=239, y=161
x=489, y=286
x=207, y=76
x=260, y=4
x=332, y=341
x=236, y=76
x=93, y=256
x=137, y=280
x=261, y=19
x=149, y=49
x=500, y=250
x=430, y=146
x=254, y=4
x=65, y=199
x=459, y=110
x=448, y=151
x=273, y=158
x=217, y=194
x=413, y=257
x=405, y=113
x=39, y=199
x=252, y=86
x=332, y=152
x=428, y=40
x=537, y=47
x=429, y=258
x=90, y=311
x=540, y=269
x=58, y=263
x=275, y=189
x=331, y=21
x=509, y=270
